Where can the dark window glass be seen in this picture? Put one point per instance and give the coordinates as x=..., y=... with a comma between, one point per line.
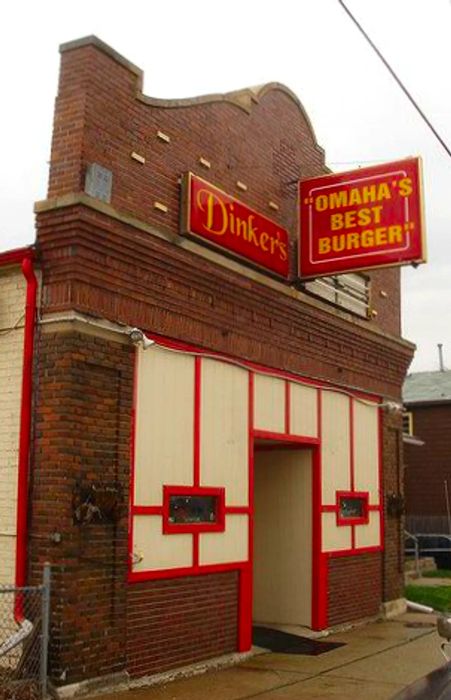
x=352, y=507
x=192, y=509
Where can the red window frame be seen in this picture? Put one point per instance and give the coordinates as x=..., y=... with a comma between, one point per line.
x=182, y=528
x=361, y=520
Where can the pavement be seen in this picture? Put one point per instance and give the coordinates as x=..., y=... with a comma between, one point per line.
x=378, y=660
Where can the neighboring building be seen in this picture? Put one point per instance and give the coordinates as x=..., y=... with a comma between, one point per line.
x=427, y=401
x=226, y=460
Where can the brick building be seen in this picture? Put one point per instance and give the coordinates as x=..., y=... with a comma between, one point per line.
x=427, y=400
x=168, y=464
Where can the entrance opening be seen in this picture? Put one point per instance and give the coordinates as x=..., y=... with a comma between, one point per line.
x=282, y=568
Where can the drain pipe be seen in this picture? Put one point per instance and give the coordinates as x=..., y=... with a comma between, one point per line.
x=25, y=434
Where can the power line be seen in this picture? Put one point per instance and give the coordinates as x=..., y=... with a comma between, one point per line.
x=393, y=74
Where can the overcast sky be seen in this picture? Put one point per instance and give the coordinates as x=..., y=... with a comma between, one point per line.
x=359, y=114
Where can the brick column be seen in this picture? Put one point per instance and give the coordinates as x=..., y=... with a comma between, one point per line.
x=82, y=438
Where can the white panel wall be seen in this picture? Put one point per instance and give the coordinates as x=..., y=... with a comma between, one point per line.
x=164, y=423
x=12, y=304
x=369, y=535
x=335, y=537
x=269, y=403
x=159, y=551
x=224, y=430
x=366, y=450
x=304, y=410
x=283, y=537
x=335, y=445
x=229, y=546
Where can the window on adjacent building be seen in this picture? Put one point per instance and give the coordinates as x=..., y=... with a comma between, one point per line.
x=407, y=423
x=350, y=291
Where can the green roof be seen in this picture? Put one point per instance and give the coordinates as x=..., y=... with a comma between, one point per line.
x=427, y=387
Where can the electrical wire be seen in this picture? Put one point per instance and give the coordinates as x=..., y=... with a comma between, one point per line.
x=393, y=74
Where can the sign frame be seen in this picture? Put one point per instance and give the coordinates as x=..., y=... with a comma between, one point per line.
x=186, y=229
x=313, y=269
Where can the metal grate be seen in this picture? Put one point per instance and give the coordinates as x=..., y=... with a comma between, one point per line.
x=24, y=625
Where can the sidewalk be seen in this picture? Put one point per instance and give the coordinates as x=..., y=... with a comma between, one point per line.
x=377, y=661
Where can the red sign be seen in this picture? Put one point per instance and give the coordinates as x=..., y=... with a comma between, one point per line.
x=223, y=221
x=371, y=217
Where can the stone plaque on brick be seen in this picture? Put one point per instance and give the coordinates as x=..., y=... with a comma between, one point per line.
x=98, y=182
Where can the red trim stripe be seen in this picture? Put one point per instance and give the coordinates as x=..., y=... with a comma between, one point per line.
x=287, y=407
x=197, y=419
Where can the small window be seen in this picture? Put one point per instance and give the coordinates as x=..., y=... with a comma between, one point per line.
x=407, y=423
x=350, y=291
x=352, y=508
x=193, y=509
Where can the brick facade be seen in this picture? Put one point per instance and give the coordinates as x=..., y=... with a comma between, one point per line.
x=393, y=560
x=354, y=587
x=82, y=437
x=428, y=466
x=182, y=620
x=125, y=262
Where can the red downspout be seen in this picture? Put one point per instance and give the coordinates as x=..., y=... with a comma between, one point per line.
x=25, y=432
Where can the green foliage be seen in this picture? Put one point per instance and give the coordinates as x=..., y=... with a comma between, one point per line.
x=437, y=597
x=439, y=573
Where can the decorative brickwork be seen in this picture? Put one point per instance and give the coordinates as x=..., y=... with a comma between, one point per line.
x=181, y=620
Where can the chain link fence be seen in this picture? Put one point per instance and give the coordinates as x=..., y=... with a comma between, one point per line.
x=24, y=633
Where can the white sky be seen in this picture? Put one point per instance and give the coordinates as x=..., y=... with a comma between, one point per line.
x=194, y=47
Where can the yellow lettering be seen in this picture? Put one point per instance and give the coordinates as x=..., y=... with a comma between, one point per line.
x=338, y=243
x=324, y=245
x=321, y=202
x=211, y=204
x=241, y=228
x=395, y=234
x=380, y=235
x=405, y=186
x=367, y=238
x=251, y=232
x=383, y=192
x=336, y=221
x=338, y=199
x=283, y=250
x=263, y=240
x=354, y=196
x=353, y=241
x=368, y=193
x=350, y=219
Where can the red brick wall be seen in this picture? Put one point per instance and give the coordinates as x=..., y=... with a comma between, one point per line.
x=82, y=434
x=393, y=484
x=179, y=621
x=354, y=590
x=429, y=465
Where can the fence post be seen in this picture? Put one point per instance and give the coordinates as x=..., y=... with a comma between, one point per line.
x=45, y=626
